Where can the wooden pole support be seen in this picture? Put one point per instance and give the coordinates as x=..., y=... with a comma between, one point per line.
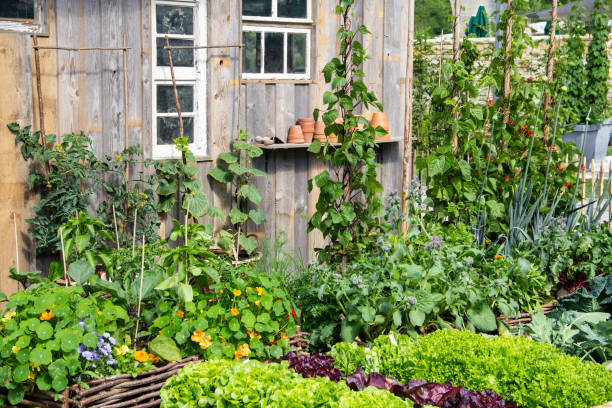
x=126, y=138
x=140, y=289
x=176, y=97
x=407, y=160
x=16, y=241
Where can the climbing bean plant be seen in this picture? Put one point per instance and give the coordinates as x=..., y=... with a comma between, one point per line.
x=349, y=204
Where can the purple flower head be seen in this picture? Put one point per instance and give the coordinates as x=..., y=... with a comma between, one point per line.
x=81, y=349
x=412, y=300
x=88, y=355
x=111, y=340
x=82, y=324
x=435, y=243
x=111, y=361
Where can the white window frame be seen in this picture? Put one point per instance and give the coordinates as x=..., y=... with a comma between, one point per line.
x=284, y=31
x=275, y=19
x=195, y=76
x=37, y=25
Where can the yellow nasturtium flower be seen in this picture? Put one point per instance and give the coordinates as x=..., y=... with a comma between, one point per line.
x=260, y=290
x=8, y=316
x=234, y=312
x=123, y=350
x=237, y=292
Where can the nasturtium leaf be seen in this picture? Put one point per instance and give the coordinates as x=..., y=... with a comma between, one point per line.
x=59, y=383
x=15, y=395
x=43, y=382
x=90, y=340
x=23, y=341
x=248, y=319
x=234, y=325
x=22, y=356
x=21, y=373
x=44, y=331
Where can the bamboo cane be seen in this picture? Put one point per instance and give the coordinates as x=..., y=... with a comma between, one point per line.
x=440, y=61
x=176, y=97
x=507, y=61
x=41, y=114
x=550, y=68
x=16, y=241
x=601, y=178
x=610, y=206
x=63, y=256
x=125, y=106
x=116, y=231
x=134, y=231
x=593, y=177
x=140, y=290
x=583, y=170
x=407, y=165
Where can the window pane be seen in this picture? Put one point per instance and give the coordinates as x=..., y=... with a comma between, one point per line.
x=251, y=53
x=168, y=130
x=273, y=60
x=261, y=8
x=174, y=20
x=180, y=58
x=17, y=9
x=296, y=53
x=166, y=102
x=292, y=8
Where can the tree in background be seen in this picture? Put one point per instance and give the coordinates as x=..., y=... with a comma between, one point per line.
x=432, y=16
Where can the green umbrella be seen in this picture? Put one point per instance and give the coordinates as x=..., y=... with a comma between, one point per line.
x=479, y=24
x=547, y=28
x=482, y=23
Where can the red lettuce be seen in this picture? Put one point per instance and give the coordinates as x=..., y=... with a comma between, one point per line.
x=316, y=365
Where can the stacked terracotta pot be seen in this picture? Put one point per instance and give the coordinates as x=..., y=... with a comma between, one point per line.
x=295, y=134
x=319, y=132
x=308, y=128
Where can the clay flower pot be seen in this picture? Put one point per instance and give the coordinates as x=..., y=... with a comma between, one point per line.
x=319, y=131
x=380, y=119
x=295, y=134
x=308, y=127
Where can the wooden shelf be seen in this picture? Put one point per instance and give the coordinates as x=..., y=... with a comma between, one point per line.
x=284, y=146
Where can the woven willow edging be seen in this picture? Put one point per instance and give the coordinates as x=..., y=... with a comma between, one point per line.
x=525, y=318
x=122, y=391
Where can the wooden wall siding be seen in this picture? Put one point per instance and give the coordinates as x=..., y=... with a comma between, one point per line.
x=14, y=197
x=84, y=91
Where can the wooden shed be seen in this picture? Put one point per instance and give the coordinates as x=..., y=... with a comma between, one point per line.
x=286, y=44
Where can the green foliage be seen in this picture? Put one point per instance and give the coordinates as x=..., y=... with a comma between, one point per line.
x=62, y=175
x=180, y=178
x=238, y=171
x=530, y=373
x=41, y=331
x=253, y=384
x=238, y=307
x=425, y=282
x=597, y=63
x=129, y=196
x=431, y=17
x=571, y=69
x=349, y=207
x=581, y=325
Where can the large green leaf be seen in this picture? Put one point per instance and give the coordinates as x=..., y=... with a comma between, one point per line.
x=237, y=169
x=417, y=317
x=237, y=216
x=228, y=157
x=80, y=271
x=249, y=244
x=44, y=331
x=165, y=348
x=40, y=356
x=197, y=203
x=257, y=216
x=482, y=317
x=185, y=292
x=222, y=175
x=251, y=193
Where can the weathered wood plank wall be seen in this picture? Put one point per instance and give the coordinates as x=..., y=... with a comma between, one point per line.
x=84, y=91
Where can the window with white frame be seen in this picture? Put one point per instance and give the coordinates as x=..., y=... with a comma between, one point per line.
x=276, y=38
x=184, y=22
x=23, y=16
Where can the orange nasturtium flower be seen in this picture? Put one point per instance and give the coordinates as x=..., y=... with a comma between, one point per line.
x=237, y=292
x=47, y=315
x=202, y=339
x=154, y=358
x=258, y=303
x=242, y=351
x=141, y=356
x=498, y=256
x=252, y=335
x=180, y=314
x=234, y=312
x=260, y=291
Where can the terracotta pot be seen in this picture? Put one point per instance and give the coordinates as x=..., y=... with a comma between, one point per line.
x=295, y=134
x=333, y=138
x=319, y=131
x=308, y=127
x=380, y=119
